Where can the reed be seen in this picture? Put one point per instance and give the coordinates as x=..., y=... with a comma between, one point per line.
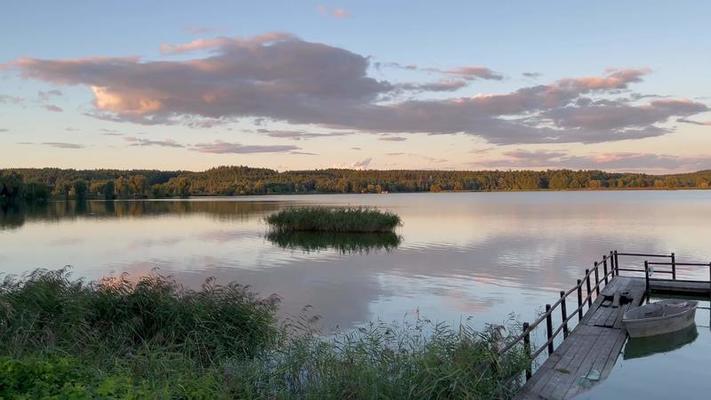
x=336, y=220
x=117, y=339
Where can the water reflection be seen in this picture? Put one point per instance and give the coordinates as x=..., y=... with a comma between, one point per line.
x=15, y=216
x=344, y=243
x=648, y=346
x=457, y=254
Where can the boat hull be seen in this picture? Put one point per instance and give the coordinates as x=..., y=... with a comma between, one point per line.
x=659, y=325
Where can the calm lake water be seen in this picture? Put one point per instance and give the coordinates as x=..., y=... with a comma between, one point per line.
x=673, y=366
x=480, y=256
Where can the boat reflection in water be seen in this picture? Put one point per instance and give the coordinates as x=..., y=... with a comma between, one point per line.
x=344, y=243
x=647, y=346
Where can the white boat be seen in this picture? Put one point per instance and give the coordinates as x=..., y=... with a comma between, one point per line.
x=658, y=318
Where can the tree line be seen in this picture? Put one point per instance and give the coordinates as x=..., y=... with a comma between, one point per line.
x=41, y=184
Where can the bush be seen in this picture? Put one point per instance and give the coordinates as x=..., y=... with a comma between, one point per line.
x=344, y=220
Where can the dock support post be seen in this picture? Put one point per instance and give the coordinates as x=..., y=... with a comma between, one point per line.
x=604, y=268
x=587, y=283
x=549, y=328
x=580, y=301
x=617, y=264
x=527, y=349
x=564, y=314
x=646, y=278
x=673, y=263
x=709, y=280
x=597, y=279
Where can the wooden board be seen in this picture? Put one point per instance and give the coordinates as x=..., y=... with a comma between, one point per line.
x=680, y=287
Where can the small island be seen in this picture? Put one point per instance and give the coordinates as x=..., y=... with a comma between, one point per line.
x=334, y=220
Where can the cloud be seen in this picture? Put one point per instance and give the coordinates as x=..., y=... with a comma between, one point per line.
x=463, y=72
x=134, y=141
x=46, y=96
x=303, y=153
x=356, y=148
x=53, y=108
x=200, y=30
x=299, y=135
x=393, y=139
x=279, y=77
x=4, y=130
x=688, y=121
x=220, y=147
x=362, y=164
x=338, y=13
x=621, y=161
x=441, y=86
x=532, y=75
x=64, y=145
x=6, y=99
x=474, y=72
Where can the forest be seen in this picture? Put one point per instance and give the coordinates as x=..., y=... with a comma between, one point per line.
x=41, y=184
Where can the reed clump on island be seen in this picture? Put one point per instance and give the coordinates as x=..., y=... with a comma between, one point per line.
x=334, y=220
x=116, y=339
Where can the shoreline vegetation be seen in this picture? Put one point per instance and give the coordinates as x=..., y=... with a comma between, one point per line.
x=333, y=220
x=37, y=185
x=121, y=338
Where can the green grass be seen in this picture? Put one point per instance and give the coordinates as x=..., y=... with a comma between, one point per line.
x=337, y=220
x=68, y=339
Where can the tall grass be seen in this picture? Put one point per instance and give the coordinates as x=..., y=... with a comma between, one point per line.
x=343, y=220
x=46, y=311
x=114, y=339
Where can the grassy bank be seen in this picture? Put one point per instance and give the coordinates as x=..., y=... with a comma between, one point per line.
x=67, y=339
x=337, y=220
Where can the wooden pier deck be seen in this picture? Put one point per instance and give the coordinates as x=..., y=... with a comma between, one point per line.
x=591, y=348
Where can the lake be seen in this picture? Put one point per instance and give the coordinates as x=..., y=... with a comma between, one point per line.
x=474, y=256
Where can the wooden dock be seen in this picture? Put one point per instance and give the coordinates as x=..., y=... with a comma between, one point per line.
x=588, y=353
x=590, y=350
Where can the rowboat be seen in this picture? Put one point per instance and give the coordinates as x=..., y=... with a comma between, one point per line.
x=658, y=318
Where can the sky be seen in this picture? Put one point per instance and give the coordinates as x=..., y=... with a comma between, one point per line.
x=612, y=85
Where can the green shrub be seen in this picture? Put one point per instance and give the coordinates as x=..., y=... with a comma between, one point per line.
x=321, y=219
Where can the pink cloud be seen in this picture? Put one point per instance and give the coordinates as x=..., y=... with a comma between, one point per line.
x=220, y=147
x=339, y=13
x=280, y=77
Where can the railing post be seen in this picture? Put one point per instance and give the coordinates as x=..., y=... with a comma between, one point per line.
x=587, y=283
x=580, y=300
x=604, y=267
x=597, y=279
x=646, y=278
x=564, y=314
x=527, y=349
x=673, y=263
x=549, y=329
x=710, y=280
x=617, y=264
